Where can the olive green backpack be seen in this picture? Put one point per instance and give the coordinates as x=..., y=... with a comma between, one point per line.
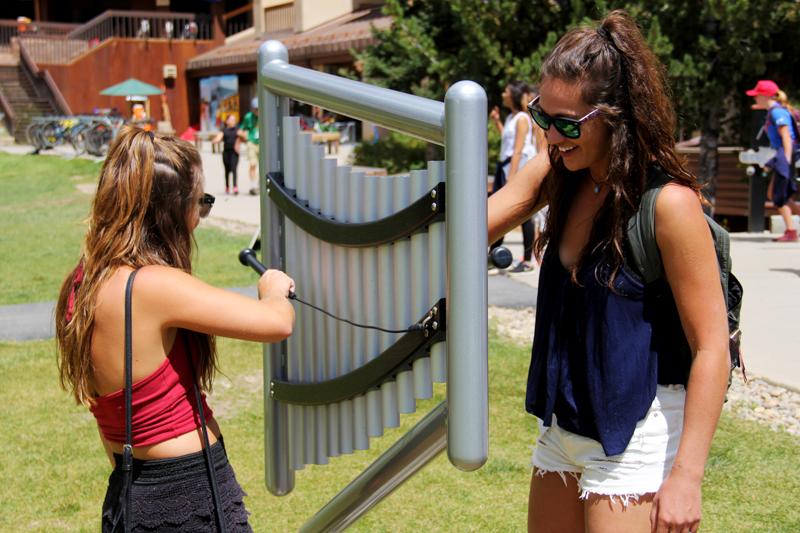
x=646, y=259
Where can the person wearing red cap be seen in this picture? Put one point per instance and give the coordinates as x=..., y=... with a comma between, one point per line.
x=781, y=129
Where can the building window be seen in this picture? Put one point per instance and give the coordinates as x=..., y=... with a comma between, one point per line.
x=279, y=18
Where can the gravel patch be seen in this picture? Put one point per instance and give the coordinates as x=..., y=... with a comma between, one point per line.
x=514, y=324
x=761, y=401
x=758, y=400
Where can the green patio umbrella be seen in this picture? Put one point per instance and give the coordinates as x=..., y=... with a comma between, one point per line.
x=131, y=87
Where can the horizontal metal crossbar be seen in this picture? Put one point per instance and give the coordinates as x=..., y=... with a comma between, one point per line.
x=406, y=113
x=413, y=219
x=396, y=358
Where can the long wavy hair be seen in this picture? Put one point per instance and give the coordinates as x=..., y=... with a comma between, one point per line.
x=619, y=75
x=139, y=217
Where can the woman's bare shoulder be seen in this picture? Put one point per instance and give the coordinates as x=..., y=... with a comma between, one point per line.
x=676, y=201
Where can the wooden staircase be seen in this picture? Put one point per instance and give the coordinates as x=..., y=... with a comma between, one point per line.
x=22, y=96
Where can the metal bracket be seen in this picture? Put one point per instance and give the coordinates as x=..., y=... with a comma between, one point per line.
x=415, y=218
x=396, y=358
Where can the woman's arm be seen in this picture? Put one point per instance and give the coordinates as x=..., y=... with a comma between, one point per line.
x=494, y=116
x=786, y=139
x=692, y=270
x=173, y=298
x=518, y=199
x=520, y=131
x=217, y=138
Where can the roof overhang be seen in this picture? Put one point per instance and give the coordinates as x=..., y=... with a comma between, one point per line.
x=335, y=38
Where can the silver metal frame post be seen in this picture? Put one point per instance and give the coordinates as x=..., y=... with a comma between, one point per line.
x=271, y=110
x=467, y=337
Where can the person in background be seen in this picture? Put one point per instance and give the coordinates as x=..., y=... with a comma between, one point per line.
x=780, y=128
x=231, y=138
x=627, y=379
x=148, y=203
x=250, y=127
x=516, y=148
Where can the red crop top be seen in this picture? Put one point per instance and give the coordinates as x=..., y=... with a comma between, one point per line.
x=164, y=406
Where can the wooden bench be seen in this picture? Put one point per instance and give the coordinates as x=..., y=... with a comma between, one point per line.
x=329, y=138
x=203, y=136
x=732, y=202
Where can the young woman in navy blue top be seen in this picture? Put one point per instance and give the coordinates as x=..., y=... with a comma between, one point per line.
x=626, y=421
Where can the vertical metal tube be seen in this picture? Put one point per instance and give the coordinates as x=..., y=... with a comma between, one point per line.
x=401, y=283
x=385, y=294
x=304, y=286
x=343, y=307
x=291, y=128
x=316, y=296
x=357, y=288
x=279, y=475
x=437, y=274
x=420, y=301
x=301, y=313
x=331, y=345
x=371, y=287
x=467, y=341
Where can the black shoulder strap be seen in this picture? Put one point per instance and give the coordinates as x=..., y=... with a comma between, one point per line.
x=212, y=473
x=127, y=449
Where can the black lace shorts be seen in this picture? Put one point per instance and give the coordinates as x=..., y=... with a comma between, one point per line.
x=171, y=495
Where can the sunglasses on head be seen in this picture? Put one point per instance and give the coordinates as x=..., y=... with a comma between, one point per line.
x=568, y=127
x=206, y=201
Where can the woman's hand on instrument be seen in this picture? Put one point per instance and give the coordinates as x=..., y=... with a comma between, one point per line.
x=275, y=283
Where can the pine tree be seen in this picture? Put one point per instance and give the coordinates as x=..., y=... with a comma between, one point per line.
x=713, y=49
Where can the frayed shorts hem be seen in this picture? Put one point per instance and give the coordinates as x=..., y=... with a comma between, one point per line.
x=583, y=494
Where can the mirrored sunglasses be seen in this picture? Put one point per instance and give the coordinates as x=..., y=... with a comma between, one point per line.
x=568, y=127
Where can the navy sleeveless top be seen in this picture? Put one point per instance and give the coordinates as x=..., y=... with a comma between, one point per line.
x=597, y=353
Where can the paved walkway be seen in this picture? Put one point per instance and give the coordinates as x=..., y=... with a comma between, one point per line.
x=770, y=273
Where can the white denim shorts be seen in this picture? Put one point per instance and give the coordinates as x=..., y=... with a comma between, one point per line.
x=639, y=470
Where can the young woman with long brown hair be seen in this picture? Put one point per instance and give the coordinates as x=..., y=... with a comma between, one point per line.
x=627, y=421
x=149, y=201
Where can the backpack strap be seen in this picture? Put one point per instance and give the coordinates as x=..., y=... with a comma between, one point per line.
x=644, y=253
x=722, y=245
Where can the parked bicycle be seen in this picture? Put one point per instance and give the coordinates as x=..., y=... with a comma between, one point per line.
x=85, y=133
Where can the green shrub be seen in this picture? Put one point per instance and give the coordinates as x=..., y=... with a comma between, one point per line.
x=394, y=151
x=400, y=153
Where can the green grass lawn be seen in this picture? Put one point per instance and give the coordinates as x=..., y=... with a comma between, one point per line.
x=53, y=470
x=42, y=225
